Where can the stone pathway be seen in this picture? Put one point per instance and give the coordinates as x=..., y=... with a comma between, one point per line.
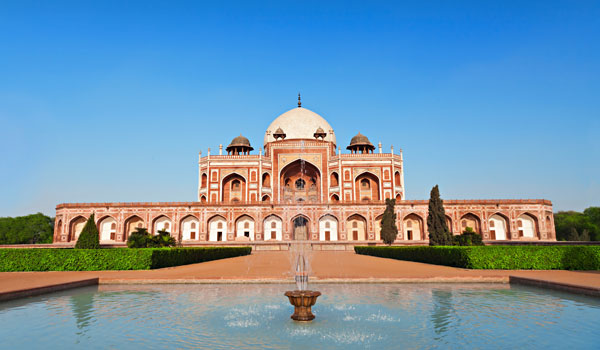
x=326, y=266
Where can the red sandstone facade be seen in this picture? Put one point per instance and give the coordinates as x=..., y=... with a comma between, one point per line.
x=301, y=189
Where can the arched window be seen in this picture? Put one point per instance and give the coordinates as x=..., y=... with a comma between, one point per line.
x=193, y=225
x=273, y=224
x=409, y=223
x=365, y=184
x=354, y=224
x=113, y=226
x=327, y=224
x=246, y=224
x=219, y=225
x=235, y=185
x=300, y=184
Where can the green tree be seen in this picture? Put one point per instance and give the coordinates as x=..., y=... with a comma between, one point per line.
x=389, y=231
x=30, y=229
x=566, y=221
x=585, y=236
x=573, y=235
x=89, y=237
x=436, y=220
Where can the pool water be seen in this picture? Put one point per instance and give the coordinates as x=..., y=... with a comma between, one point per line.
x=349, y=316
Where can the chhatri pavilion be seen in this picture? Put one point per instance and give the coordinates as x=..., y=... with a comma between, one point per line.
x=303, y=187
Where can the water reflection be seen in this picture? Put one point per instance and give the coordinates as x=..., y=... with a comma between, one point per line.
x=257, y=316
x=442, y=311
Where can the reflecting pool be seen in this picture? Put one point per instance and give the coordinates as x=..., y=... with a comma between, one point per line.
x=348, y=316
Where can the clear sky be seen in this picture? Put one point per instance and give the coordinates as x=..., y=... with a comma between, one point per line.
x=106, y=102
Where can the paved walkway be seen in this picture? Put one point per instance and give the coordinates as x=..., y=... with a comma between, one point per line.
x=326, y=266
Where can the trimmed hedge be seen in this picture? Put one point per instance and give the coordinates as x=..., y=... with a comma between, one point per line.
x=62, y=259
x=496, y=257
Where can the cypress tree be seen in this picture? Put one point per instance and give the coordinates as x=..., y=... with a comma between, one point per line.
x=436, y=220
x=389, y=231
x=89, y=237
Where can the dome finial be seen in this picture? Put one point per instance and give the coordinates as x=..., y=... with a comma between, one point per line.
x=299, y=102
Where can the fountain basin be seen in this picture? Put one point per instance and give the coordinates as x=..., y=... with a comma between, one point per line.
x=303, y=300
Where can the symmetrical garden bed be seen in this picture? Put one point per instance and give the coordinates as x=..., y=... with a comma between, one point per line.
x=111, y=258
x=496, y=257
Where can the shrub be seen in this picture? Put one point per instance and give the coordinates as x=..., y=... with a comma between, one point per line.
x=496, y=257
x=468, y=238
x=141, y=238
x=56, y=259
x=138, y=238
x=89, y=237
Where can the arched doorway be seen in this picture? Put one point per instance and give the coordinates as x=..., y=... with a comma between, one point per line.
x=75, y=228
x=413, y=228
x=367, y=187
x=272, y=228
x=328, y=228
x=190, y=227
x=244, y=228
x=108, y=229
x=498, y=228
x=527, y=226
x=217, y=229
x=357, y=228
x=300, y=225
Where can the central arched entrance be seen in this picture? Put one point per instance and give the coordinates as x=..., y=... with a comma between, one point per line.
x=300, y=181
x=300, y=228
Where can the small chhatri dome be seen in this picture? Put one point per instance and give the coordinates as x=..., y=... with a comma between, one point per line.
x=279, y=134
x=320, y=133
x=360, y=143
x=239, y=144
x=360, y=139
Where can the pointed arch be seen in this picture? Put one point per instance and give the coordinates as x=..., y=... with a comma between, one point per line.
x=367, y=186
x=528, y=226
x=107, y=228
x=328, y=228
x=203, y=199
x=233, y=188
x=162, y=222
x=335, y=198
x=499, y=227
x=132, y=223
x=266, y=180
x=334, y=179
x=75, y=226
x=217, y=228
x=244, y=228
x=301, y=227
x=204, y=181
x=266, y=198
x=413, y=227
x=470, y=220
x=273, y=228
x=189, y=227
x=356, y=227
x=397, y=179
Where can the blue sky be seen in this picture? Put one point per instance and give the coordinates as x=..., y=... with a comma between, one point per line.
x=101, y=101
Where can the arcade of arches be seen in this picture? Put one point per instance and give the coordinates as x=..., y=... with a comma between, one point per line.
x=328, y=227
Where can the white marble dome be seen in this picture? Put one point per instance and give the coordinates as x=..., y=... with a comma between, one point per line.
x=299, y=123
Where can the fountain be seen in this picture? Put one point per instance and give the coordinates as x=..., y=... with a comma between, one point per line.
x=301, y=298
